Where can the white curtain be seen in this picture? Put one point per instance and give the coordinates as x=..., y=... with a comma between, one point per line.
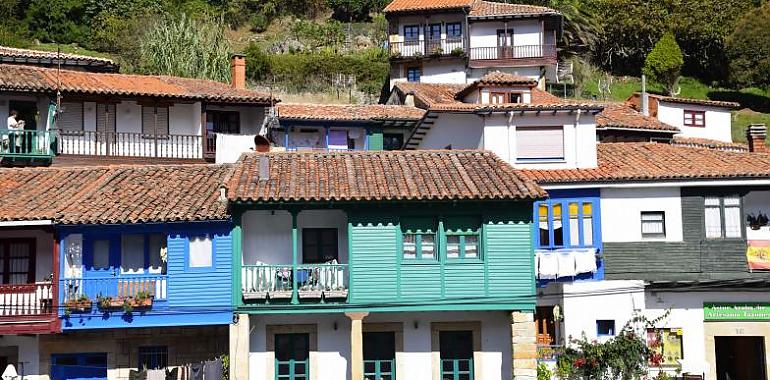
x=132, y=254
x=732, y=206
x=713, y=222
x=200, y=252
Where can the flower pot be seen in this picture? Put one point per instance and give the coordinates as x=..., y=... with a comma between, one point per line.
x=78, y=306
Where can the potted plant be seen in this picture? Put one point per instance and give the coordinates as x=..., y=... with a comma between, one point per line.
x=756, y=222
x=142, y=300
x=437, y=51
x=417, y=54
x=457, y=52
x=79, y=304
x=106, y=302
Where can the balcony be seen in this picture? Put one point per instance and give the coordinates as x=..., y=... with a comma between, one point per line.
x=295, y=284
x=27, y=308
x=25, y=145
x=87, y=295
x=449, y=47
x=129, y=144
x=512, y=55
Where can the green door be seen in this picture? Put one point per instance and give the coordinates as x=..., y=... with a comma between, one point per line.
x=292, y=356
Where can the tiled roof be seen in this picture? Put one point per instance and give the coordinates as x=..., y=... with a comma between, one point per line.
x=114, y=194
x=493, y=8
x=348, y=112
x=544, y=97
x=428, y=94
x=9, y=54
x=708, y=143
x=494, y=79
x=623, y=116
x=481, y=108
x=378, y=176
x=44, y=80
x=421, y=5
x=636, y=100
x=627, y=162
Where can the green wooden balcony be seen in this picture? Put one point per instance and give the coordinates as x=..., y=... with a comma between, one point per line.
x=25, y=145
x=294, y=284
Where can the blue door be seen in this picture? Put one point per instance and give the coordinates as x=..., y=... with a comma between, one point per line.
x=102, y=264
x=91, y=366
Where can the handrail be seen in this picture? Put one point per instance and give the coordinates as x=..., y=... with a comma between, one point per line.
x=26, y=143
x=544, y=51
x=130, y=144
x=26, y=299
x=430, y=47
x=278, y=280
x=124, y=286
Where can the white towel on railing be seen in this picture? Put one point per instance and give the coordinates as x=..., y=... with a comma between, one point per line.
x=585, y=260
x=547, y=264
x=566, y=259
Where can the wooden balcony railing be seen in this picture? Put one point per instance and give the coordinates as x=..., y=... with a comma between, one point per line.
x=419, y=49
x=305, y=281
x=129, y=144
x=524, y=52
x=121, y=287
x=379, y=369
x=26, y=299
x=26, y=143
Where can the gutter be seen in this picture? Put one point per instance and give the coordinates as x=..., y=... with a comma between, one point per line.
x=20, y=223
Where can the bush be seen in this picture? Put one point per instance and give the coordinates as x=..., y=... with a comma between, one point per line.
x=664, y=63
x=259, y=22
x=748, y=49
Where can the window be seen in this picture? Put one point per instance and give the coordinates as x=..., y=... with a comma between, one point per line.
x=653, y=224
x=556, y=230
x=454, y=30
x=419, y=239
x=463, y=237
x=17, y=261
x=413, y=74
x=319, y=245
x=105, y=117
x=456, y=353
x=155, y=121
x=101, y=255
x=667, y=344
x=153, y=357
x=379, y=355
x=605, y=327
x=539, y=143
x=292, y=354
x=71, y=117
x=201, y=255
x=504, y=97
x=411, y=33
x=723, y=217
x=514, y=97
x=694, y=118
x=158, y=253
x=392, y=141
x=434, y=32
x=132, y=254
x=223, y=122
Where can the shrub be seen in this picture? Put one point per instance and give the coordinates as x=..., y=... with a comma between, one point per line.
x=748, y=49
x=664, y=63
x=259, y=22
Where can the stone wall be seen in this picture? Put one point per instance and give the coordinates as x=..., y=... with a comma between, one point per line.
x=523, y=345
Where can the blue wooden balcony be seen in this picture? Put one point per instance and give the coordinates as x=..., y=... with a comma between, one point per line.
x=26, y=145
x=295, y=284
x=110, y=294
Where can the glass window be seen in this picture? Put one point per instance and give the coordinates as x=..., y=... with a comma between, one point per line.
x=419, y=239
x=16, y=264
x=101, y=254
x=201, y=254
x=454, y=30
x=223, y=122
x=132, y=254
x=462, y=237
x=514, y=97
x=732, y=207
x=713, y=217
x=411, y=33
x=552, y=233
x=392, y=141
x=694, y=118
x=544, y=228
x=158, y=253
x=723, y=217
x=556, y=224
x=605, y=327
x=434, y=32
x=413, y=74
x=588, y=223
x=319, y=245
x=653, y=224
x=155, y=357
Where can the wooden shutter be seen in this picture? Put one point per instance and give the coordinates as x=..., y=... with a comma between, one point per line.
x=71, y=117
x=105, y=117
x=151, y=115
x=539, y=143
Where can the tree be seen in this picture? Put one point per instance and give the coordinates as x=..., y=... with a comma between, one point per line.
x=355, y=10
x=62, y=21
x=748, y=48
x=186, y=47
x=664, y=63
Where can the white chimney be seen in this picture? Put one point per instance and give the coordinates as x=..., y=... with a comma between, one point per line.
x=645, y=98
x=264, y=168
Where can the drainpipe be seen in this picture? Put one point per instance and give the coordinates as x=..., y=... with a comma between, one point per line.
x=645, y=98
x=510, y=121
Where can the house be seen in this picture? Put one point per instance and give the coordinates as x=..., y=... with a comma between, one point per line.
x=695, y=118
x=381, y=264
x=124, y=118
x=66, y=61
x=458, y=41
x=140, y=263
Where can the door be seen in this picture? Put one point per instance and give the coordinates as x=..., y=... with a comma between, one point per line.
x=740, y=357
x=27, y=112
x=379, y=355
x=292, y=356
x=546, y=325
x=505, y=43
x=102, y=263
x=456, y=352
x=91, y=366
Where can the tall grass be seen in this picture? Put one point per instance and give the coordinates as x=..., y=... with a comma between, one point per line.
x=187, y=47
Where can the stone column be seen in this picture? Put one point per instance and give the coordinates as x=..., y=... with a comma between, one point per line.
x=239, y=348
x=523, y=345
x=356, y=345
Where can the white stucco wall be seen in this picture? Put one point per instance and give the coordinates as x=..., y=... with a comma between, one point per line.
x=526, y=95
x=442, y=72
x=579, y=139
x=251, y=117
x=330, y=362
x=525, y=32
x=27, y=349
x=267, y=238
x=718, y=121
x=621, y=213
x=461, y=131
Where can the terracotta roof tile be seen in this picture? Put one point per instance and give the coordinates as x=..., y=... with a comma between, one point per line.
x=496, y=79
x=708, y=143
x=44, y=80
x=21, y=55
x=624, y=116
x=419, y=5
x=623, y=162
x=428, y=94
x=348, y=112
x=114, y=194
x=493, y=8
x=635, y=99
x=378, y=176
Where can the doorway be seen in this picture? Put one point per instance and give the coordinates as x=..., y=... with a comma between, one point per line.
x=504, y=43
x=379, y=355
x=546, y=325
x=740, y=357
x=91, y=366
x=27, y=112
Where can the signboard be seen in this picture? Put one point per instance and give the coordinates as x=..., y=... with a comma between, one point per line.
x=758, y=255
x=747, y=311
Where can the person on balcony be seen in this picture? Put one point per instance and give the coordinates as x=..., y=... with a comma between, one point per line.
x=14, y=125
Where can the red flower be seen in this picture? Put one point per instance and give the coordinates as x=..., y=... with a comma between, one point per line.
x=579, y=362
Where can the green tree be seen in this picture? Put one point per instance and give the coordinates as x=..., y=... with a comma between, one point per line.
x=748, y=48
x=186, y=47
x=355, y=10
x=664, y=63
x=62, y=21
x=13, y=32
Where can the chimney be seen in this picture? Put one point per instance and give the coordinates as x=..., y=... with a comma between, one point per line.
x=757, y=134
x=238, y=71
x=409, y=99
x=264, y=168
x=645, y=98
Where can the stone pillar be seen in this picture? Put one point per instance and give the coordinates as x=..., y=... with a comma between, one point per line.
x=523, y=345
x=239, y=348
x=356, y=345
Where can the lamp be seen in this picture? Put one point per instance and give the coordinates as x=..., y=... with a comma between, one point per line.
x=10, y=373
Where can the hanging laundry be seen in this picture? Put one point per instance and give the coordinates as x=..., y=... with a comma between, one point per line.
x=585, y=260
x=156, y=374
x=547, y=264
x=196, y=371
x=212, y=370
x=566, y=263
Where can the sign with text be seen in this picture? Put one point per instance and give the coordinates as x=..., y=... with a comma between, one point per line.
x=736, y=311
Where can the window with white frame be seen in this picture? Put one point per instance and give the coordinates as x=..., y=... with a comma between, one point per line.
x=653, y=224
x=463, y=237
x=200, y=253
x=539, y=143
x=723, y=217
x=419, y=239
x=694, y=118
